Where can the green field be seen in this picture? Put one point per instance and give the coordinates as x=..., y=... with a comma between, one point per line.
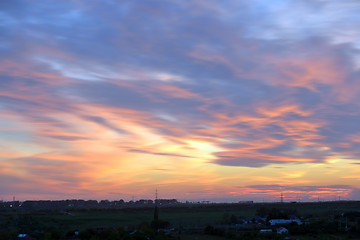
x=98, y=218
x=200, y=237
x=180, y=217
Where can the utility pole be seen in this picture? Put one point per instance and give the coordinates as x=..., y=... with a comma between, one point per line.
x=156, y=211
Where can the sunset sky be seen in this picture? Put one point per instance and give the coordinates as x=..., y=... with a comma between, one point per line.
x=208, y=100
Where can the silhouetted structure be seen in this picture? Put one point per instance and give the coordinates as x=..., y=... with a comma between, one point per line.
x=156, y=211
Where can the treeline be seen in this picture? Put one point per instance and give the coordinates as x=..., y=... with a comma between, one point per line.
x=84, y=204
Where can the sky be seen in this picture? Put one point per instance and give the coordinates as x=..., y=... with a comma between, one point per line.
x=212, y=100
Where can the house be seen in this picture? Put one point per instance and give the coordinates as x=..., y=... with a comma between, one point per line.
x=257, y=221
x=265, y=231
x=282, y=230
x=24, y=236
x=284, y=221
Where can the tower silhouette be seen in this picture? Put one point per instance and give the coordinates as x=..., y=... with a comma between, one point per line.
x=281, y=198
x=156, y=211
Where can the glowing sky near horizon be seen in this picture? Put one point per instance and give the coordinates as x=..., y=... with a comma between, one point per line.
x=239, y=100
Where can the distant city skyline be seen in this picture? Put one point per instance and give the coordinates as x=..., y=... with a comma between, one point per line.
x=200, y=99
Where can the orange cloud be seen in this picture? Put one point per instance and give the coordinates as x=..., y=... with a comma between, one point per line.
x=23, y=70
x=307, y=71
x=271, y=112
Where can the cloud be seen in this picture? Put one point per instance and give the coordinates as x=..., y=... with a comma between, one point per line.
x=157, y=153
x=300, y=188
x=120, y=88
x=245, y=162
x=43, y=176
x=355, y=194
x=304, y=193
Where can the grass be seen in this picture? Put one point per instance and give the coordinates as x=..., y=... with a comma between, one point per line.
x=183, y=216
x=200, y=237
x=90, y=219
x=82, y=220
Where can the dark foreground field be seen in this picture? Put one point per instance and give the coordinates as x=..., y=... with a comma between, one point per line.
x=322, y=220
